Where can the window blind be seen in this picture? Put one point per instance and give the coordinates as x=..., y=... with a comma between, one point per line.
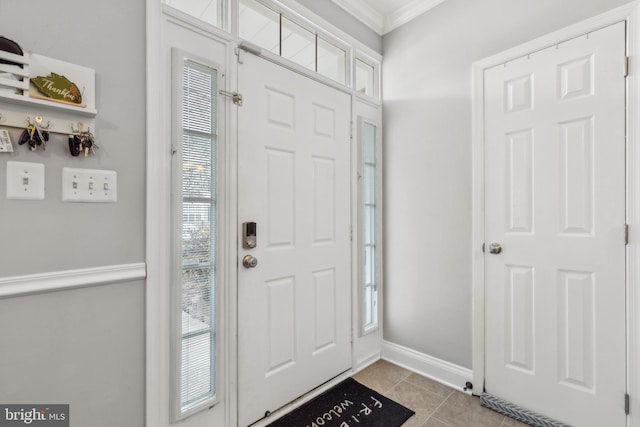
x=198, y=237
x=369, y=223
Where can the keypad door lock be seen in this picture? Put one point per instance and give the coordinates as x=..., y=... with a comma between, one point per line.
x=249, y=235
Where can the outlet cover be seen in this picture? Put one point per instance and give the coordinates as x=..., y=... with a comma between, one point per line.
x=25, y=181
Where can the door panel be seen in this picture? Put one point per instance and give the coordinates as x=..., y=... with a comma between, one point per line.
x=294, y=182
x=555, y=202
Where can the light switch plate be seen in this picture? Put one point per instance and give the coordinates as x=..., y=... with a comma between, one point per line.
x=25, y=181
x=89, y=185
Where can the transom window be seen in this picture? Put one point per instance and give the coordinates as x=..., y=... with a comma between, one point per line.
x=290, y=36
x=366, y=78
x=209, y=11
x=283, y=36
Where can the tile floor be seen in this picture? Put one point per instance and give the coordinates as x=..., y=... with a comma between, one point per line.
x=435, y=405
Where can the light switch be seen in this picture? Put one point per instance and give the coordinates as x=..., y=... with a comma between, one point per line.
x=25, y=181
x=89, y=185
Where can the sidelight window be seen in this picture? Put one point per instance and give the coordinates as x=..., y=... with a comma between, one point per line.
x=369, y=229
x=194, y=247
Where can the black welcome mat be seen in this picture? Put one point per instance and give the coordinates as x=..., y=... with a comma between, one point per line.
x=349, y=404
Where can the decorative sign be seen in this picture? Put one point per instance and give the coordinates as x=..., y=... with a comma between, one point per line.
x=62, y=82
x=58, y=87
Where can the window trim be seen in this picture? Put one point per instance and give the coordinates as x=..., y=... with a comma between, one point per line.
x=179, y=58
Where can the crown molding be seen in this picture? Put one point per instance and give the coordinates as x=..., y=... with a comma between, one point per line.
x=364, y=13
x=407, y=13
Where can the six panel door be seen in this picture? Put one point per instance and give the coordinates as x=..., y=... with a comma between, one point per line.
x=294, y=183
x=555, y=203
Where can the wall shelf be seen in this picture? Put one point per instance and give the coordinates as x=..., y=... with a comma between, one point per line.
x=17, y=105
x=47, y=105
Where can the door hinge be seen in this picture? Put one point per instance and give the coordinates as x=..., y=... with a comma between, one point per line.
x=626, y=403
x=626, y=66
x=235, y=97
x=351, y=233
x=626, y=234
x=483, y=248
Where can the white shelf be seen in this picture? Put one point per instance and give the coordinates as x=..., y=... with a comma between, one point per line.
x=26, y=99
x=17, y=108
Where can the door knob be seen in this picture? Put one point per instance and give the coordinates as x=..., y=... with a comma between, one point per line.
x=495, y=248
x=249, y=261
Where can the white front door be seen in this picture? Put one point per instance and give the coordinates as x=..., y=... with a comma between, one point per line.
x=555, y=203
x=294, y=183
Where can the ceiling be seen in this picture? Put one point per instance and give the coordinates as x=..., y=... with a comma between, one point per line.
x=383, y=16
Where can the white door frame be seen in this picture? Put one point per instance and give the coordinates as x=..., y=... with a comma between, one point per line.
x=158, y=220
x=631, y=14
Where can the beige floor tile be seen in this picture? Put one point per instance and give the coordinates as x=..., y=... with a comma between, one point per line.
x=382, y=376
x=462, y=410
x=430, y=385
x=510, y=422
x=423, y=402
x=434, y=422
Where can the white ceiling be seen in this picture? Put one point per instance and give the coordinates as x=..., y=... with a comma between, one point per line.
x=383, y=16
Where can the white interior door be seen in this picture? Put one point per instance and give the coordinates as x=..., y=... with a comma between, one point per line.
x=294, y=167
x=555, y=202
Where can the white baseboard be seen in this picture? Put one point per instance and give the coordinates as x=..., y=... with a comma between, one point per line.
x=70, y=279
x=366, y=361
x=439, y=370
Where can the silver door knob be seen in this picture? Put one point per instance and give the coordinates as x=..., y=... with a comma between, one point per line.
x=249, y=261
x=495, y=248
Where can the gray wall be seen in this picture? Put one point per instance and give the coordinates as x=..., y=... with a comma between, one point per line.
x=41, y=236
x=84, y=347
x=334, y=14
x=427, y=149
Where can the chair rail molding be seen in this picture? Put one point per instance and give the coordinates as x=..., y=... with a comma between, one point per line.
x=70, y=279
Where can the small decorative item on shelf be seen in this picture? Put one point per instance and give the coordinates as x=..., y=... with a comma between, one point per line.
x=81, y=141
x=35, y=134
x=58, y=88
